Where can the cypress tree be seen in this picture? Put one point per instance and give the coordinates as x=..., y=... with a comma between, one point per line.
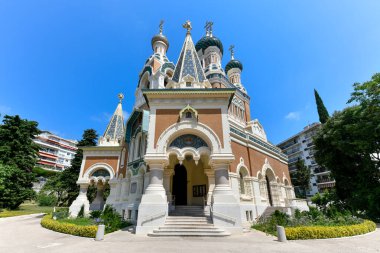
x=322, y=111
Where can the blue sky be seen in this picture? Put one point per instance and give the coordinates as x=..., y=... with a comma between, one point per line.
x=62, y=63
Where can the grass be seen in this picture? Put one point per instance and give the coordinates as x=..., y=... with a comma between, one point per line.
x=24, y=209
x=79, y=221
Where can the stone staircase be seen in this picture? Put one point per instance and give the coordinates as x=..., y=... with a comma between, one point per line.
x=189, y=221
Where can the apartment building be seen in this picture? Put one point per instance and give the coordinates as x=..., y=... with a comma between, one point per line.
x=301, y=146
x=56, y=153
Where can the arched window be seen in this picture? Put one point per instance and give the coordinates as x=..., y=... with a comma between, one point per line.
x=242, y=186
x=139, y=148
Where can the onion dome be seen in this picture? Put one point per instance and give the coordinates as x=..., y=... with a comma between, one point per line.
x=233, y=64
x=208, y=41
x=160, y=37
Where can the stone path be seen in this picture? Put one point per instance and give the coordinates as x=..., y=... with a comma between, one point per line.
x=24, y=234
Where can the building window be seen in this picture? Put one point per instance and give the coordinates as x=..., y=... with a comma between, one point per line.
x=188, y=115
x=188, y=84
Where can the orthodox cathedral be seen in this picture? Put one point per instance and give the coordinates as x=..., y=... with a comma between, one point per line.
x=189, y=160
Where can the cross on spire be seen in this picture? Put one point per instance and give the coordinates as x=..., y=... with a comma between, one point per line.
x=121, y=97
x=161, y=26
x=231, y=49
x=187, y=26
x=208, y=28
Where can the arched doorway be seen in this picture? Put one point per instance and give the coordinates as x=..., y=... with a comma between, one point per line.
x=180, y=185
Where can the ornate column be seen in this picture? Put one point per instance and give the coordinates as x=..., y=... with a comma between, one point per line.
x=211, y=184
x=167, y=175
x=124, y=185
x=225, y=205
x=153, y=207
x=156, y=180
x=81, y=200
x=113, y=191
x=222, y=183
x=98, y=202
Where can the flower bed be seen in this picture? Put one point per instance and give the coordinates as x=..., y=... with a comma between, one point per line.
x=321, y=232
x=68, y=228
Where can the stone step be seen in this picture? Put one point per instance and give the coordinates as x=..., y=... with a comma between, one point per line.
x=185, y=233
x=188, y=225
x=190, y=230
x=184, y=217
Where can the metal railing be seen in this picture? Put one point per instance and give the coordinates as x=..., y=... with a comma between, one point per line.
x=153, y=217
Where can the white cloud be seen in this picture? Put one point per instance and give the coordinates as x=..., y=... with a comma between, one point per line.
x=125, y=115
x=293, y=116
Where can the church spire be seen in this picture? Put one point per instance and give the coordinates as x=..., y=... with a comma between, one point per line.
x=188, y=72
x=114, y=134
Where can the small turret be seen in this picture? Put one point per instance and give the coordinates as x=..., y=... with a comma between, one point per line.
x=114, y=134
x=160, y=44
x=233, y=70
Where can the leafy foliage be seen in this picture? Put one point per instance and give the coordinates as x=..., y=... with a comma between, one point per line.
x=322, y=111
x=18, y=154
x=349, y=145
x=301, y=177
x=112, y=219
x=15, y=186
x=44, y=199
x=81, y=212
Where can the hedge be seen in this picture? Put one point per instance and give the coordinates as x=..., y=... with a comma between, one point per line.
x=321, y=232
x=66, y=228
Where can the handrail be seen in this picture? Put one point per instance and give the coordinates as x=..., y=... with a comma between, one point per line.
x=152, y=217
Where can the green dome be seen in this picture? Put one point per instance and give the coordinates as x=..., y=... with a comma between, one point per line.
x=160, y=37
x=233, y=64
x=208, y=41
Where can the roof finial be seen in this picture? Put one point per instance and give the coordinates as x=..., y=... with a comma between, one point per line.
x=161, y=26
x=121, y=97
x=187, y=26
x=232, y=51
x=208, y=28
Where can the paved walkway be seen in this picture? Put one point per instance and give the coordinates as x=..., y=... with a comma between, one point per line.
x=24, y=234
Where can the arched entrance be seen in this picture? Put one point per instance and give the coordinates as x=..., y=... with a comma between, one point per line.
x=180, y=185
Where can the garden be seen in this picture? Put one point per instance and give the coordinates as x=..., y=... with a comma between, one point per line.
x=60, y=221
x=328, y=219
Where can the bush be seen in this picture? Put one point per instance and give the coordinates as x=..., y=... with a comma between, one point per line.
x=112, y=219
x=61, y=213
x=46, y=200
x=320, y=232
x=95, y=214
x=67, y=228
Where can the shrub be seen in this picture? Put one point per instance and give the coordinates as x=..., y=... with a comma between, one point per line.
x=67, y=228
x=95, y=214
x=44, y=199
x=61, y=213
x=112, y=219
x=320, y=232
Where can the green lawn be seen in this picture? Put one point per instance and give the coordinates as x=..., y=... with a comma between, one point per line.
x=79, y=221
x=26, y=208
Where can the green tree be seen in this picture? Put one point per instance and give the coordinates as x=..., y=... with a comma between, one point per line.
x=18, y=155
x=348, y=144
x=64, y=184
x=301, y=177
x=16, y=142
x=322, y=111
x=15, y=186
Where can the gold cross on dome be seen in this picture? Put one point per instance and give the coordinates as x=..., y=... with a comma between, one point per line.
x=187, y=26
